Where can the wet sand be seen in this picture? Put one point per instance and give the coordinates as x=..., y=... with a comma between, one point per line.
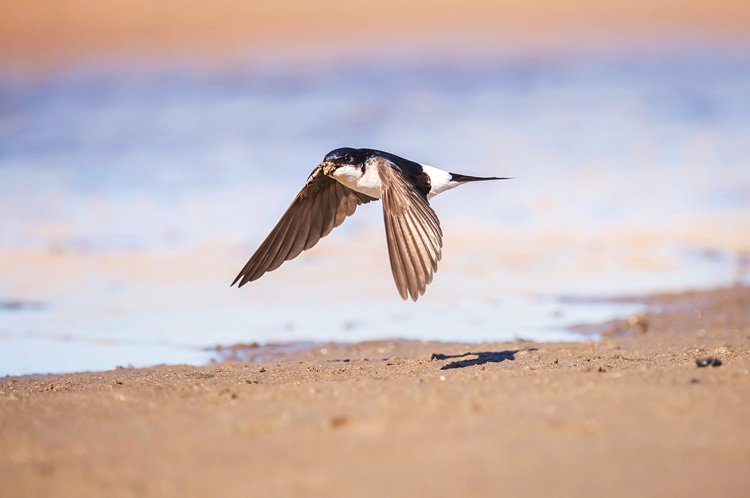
x=630, y=414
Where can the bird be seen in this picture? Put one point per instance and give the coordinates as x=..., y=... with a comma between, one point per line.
x=347, y=178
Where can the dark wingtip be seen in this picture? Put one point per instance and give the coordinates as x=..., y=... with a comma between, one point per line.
x=237, y=278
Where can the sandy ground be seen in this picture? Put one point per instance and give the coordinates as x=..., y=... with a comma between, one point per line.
x=629, y=415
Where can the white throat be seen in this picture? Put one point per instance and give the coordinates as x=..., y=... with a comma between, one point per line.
x=366, y=182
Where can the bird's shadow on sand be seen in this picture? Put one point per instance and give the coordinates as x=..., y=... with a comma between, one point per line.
x=480, y=358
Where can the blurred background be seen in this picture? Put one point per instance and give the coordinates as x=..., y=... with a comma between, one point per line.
x=147, y=148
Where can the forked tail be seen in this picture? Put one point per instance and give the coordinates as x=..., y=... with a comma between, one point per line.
x=455, y=177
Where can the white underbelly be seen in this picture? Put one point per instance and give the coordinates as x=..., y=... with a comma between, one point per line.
x=367, y=183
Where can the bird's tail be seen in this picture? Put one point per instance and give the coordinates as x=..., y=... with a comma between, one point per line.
x=455, y=177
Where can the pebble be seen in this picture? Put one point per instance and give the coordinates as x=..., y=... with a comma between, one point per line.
x=708, y=362
x=339, y=421
x=638, y=321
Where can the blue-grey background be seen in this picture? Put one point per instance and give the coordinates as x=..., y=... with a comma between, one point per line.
x=131, y=195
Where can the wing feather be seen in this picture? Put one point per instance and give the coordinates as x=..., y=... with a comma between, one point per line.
x=412, y=230
x=321, y=205
x=285, y=240
x=423, y=259
x=316, y=219
x=331, y=213
x=407, y=256
x=395, y=256
x=416, y=252
x=269, y=248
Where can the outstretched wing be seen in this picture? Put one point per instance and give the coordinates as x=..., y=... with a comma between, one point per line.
x=412, y=230
x=321, y=205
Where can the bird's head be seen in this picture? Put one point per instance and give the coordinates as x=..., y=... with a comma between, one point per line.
x=345, y=156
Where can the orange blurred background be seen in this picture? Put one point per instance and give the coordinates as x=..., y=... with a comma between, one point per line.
x=39, y=33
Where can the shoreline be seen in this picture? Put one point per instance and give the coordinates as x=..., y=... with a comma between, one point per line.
x=653, y=308
x=630, y=413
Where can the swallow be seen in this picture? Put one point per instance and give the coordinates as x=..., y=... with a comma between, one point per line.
x=348, y=178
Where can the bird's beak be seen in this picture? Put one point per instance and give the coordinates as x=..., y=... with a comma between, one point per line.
x=328, y=167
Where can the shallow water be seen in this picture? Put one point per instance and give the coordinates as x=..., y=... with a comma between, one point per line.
x=131, y=197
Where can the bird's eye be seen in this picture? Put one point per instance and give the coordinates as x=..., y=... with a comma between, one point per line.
x=348, y=159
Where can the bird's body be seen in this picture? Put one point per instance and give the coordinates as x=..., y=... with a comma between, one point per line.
x=349, y=177
x=368, y=181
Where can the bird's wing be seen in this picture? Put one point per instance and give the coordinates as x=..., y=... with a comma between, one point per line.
x=321, y=205
x=412, y=230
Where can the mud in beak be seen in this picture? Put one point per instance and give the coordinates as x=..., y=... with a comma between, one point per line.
x=328, y=167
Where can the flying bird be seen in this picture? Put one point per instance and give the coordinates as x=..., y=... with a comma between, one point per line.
x=349, y=177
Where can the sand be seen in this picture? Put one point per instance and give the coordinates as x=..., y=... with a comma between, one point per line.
x=631, y=414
